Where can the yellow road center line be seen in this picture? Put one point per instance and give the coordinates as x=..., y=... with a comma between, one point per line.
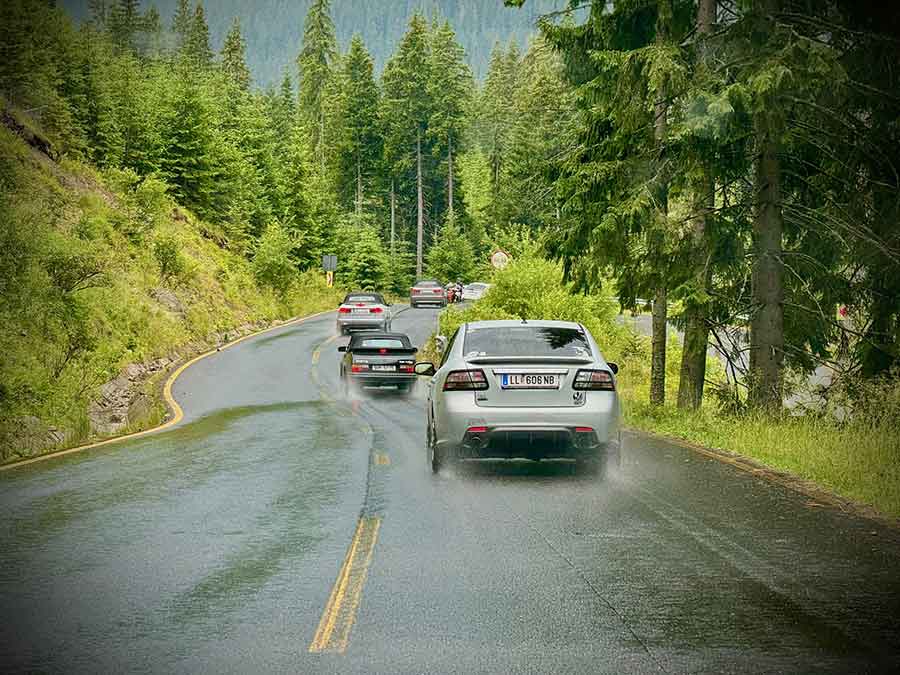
x=339, y=615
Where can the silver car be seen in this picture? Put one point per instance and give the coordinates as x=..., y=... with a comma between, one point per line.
x=531, y=389
x=474, y=291
x=427, y=292
x=363, y=311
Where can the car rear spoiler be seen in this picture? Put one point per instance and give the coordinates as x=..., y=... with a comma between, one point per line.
x=530, y=359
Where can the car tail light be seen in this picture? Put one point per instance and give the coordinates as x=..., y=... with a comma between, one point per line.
x=595, y=380
x=465, y=380
x=344, y=310
x=359, y=367
x=405, y=366
x=376, y=310
x=476, y=430
x=437, y=290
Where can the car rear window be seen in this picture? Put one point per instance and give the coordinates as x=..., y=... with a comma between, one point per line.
x=361, y=298
x=525, y=340
x=427, y=283
x=380, y=343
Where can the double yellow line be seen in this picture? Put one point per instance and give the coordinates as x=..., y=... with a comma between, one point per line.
x=339, y=615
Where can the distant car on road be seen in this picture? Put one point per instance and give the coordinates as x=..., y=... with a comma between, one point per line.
x=363, y=311
x=532, y=389
x=378, y=359
x=474, y=291
x=427, y=292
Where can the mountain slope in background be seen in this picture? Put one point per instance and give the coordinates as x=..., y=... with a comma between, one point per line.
x=273, y=28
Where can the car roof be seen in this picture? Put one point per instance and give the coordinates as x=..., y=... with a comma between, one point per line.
x=534, y=323
x=377, y=335
x=375, y=294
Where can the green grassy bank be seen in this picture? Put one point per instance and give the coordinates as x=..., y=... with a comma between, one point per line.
x=101, y=270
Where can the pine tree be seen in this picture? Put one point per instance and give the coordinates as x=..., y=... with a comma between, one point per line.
x=197, y=47
x=315, y=63
x=449, y=88
x=98, y=11
x=233, y=57
x=124, y=21
x=282, y=111
x=307, y=203
x=406, y=110
x=189, y=161
x=150, y=40
x=451, y=256
x=496, y=118
x=181, y=24
x=541, y=128
x=359, y=147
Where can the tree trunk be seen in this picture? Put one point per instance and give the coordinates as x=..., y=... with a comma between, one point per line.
x=696, y=331
x=660, y=307
x=706, y=16
x=393, y=217
x=420, y=204
x=658, y=348
x=767, y=322
x=450, y=172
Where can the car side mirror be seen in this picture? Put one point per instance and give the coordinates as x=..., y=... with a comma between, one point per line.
x=342, y=348
x=424, y=368
x=441, y=341
x=614, y=367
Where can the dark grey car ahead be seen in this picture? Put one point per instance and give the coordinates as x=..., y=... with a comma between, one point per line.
x=377, y=359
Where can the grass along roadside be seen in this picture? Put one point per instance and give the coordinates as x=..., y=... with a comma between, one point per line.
x=859, y=460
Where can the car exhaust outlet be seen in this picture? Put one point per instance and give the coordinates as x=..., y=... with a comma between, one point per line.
x=475, y=437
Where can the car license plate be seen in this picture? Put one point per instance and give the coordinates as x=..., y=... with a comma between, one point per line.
x=360, y=311
x=529, y=381
x=384, y=369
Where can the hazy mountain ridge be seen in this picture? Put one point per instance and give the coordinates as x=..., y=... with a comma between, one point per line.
x=273, y=28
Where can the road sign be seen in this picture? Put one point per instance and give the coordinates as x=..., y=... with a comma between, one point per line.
x=500, y=259
x=329, y=263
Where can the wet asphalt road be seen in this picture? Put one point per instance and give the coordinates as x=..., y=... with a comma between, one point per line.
x=220, y=546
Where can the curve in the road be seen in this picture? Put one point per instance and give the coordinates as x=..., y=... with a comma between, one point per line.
x=177, y=414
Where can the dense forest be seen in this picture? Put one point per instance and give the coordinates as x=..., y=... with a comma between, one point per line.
x=274, y=28
x=730, y=166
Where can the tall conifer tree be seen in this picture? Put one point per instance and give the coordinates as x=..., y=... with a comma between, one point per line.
x=360, y=143
x=233, y=57
x=315, y=62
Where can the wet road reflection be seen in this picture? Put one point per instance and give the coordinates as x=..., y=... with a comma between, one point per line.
x=286, y=526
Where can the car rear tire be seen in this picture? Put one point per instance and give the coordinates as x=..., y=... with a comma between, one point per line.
x=434, y=455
